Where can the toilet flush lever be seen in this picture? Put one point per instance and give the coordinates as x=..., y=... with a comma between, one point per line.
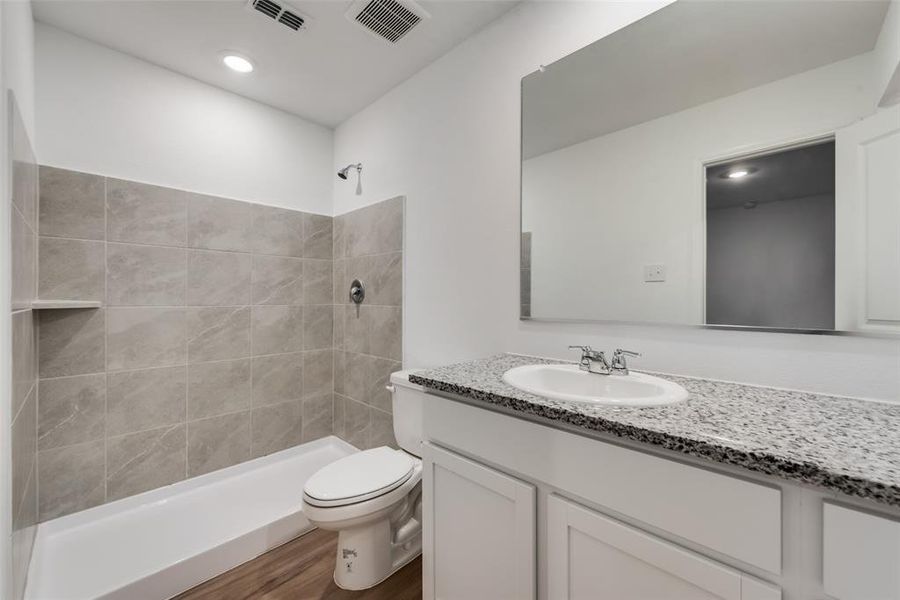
x=389, y=387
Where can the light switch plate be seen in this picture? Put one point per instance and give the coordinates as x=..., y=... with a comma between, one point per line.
x=654, y=273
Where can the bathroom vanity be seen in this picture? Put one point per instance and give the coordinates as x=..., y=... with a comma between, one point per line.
x=739, y=493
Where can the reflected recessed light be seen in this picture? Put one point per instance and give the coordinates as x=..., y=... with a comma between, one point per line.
x=737, y=172
x=238, y=63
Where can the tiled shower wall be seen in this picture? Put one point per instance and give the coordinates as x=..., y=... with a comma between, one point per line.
x=368, y=245
x=213, y=344
x=23, y=408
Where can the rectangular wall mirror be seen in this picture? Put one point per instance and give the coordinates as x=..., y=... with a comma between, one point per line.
x=726, y=164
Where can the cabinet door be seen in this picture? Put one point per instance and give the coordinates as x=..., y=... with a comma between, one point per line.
x=591, y=556
x=861, y=555
x=479, y=531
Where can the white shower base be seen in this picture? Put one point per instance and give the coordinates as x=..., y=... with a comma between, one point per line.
x=157, y=544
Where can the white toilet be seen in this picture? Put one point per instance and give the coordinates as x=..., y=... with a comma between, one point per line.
x=374, y=498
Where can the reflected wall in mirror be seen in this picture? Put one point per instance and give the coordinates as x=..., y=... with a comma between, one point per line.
x=719, y=163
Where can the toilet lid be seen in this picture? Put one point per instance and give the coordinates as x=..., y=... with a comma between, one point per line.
x=361, y=474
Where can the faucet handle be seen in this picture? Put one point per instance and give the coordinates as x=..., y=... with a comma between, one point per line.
x=582, y=348
x=619, y=364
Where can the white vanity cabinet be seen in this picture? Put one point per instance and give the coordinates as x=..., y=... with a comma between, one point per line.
x=592, y=556
x=479, y=530
x=861, y=555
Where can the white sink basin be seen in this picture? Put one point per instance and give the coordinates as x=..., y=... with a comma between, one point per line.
x=568, y=382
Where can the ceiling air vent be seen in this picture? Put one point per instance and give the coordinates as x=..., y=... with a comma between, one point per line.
x=288, y=17
x=387, y=19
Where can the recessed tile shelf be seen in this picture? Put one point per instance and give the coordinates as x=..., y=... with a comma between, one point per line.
x=58, y=304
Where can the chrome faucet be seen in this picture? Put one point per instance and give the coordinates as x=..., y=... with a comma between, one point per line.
x=589, y=356
x=619, y=365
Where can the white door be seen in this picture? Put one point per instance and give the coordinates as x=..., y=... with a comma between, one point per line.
x=867, y=226
x=479, y=531
x=591, y=556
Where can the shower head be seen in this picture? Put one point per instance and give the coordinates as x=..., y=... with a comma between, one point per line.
x=343, y=175
x=343, y=172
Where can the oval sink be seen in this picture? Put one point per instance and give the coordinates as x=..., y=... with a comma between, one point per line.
x=568, y=382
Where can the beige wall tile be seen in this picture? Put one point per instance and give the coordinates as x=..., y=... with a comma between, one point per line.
x=277, y=329
x=381, y=429
x=341, y=282
x=218, y=442
x=218, y=387
x=147, y=399
x=317, y=236
x=218, y=278
x=277, y=280
x=375, y=229
x=340, y=370
x=357, y=326
x=71, y=479
x=143, y=461
x=318, y=417
x=277, y=378
x=317, y=282
x=24, y=357
x=219, y=333
x=378, y=377
x=72, y=204
x=72, y=342
x=71, y=269
x=318, y=327
x=23, y=444
x=145, y=214
x=219, y=224
x=339, y=237
x=145, y=275
x=276, y=427
x=385, y=332
x=356, y=372
x=140, y=338
x=277, y=231
x=72, y=410
x=384, y=279
x=24, y=262
x=357, y=419
x=318, y=372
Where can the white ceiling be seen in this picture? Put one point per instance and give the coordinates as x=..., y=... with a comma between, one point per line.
x=685, y=54
x=325, y=73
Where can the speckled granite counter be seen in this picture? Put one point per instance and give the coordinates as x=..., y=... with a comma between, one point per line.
x=849, y=446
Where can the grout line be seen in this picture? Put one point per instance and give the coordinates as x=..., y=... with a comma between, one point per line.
x=105, y=338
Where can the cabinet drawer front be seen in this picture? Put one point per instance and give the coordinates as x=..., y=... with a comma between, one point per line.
x=861, y=555
x=590, y=555
x=480, y=530
x=729, y=515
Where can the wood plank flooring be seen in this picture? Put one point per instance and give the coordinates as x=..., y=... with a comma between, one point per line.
x=302, y=570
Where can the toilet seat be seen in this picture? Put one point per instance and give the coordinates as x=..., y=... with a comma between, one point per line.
x=359, y=477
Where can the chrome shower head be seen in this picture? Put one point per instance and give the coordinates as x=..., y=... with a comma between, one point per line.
x=343, y=172
x=343, y=175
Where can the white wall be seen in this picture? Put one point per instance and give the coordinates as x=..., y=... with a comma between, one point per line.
x=887, y=49
x=17, y=74
x=773, y=265
x=634, y=197
x=448, y=139
x=105, y=112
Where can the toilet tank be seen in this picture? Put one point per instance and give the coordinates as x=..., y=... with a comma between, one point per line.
x=407, y=404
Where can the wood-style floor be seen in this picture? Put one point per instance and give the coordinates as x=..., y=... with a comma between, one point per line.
x=302, y=570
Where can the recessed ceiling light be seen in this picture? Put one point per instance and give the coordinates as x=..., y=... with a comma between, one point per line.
x=238, y=63
x=737, y=172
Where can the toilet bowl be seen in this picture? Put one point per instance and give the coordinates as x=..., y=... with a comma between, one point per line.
x=373, y=499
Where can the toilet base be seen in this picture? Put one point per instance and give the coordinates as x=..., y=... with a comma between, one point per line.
x=363, y=559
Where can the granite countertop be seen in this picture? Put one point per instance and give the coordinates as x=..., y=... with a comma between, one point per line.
x=840, y=444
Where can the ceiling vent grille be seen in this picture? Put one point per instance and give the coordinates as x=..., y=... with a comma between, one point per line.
x=287, y=17
x=387, y=19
